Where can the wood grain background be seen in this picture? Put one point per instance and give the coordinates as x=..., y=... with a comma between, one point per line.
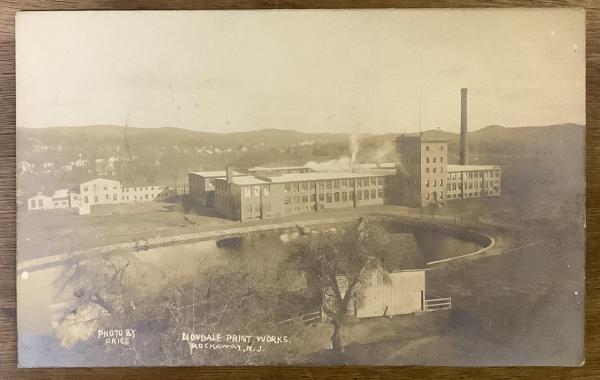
x=8, y=358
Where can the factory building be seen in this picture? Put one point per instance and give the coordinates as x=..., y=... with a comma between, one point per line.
x=263, y=197
x=422, y=172
x=468, y=181
x=424, y=176
x=421, y=177
x=202, y=184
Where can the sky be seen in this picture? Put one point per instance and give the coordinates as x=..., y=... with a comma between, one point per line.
x=356, y=71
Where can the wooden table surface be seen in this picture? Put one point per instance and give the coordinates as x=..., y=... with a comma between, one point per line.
x=8, y=362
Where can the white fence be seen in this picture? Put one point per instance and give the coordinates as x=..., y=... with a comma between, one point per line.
x=438, y=304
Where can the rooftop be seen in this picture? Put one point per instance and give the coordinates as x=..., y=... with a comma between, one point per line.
x=215, y=173
x=262, y=168
x=245, y=180
x=465, y=168
x=315, y=176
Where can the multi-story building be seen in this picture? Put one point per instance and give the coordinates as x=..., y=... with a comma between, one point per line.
x=468, y=181
x=421, y=173
x=262, y=197
x=100, y=191
x=202, y=186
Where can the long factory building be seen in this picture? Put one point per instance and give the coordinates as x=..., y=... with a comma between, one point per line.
x=421, y=177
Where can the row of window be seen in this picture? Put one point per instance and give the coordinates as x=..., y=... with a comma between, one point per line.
x=434, y=159
x=435, y=183
x=434, y=169
x=255, y=191
x=336, y=197
x=472, y=185
x=427, y=148
x=477, y=174
x=124, y=189
x=427, y=197
x=333, y=184
x=116, y=198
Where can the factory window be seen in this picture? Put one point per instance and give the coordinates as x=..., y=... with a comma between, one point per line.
x=427, y=148
x=427, y=183
x=441, y=182
x=380, y=193
x=434, y=182
x=304, y=198
x=328, y=184
x=448, y=187
x=266, y=190
x=380, y=181
x=359, y=195
x=373, y=181
x=247, y=192
x=304, y=186
x=460, y=186
x=313, y=198
x=106, y=196
x=295, y=186
x=434, y=169
x=470, y=185
x=287, y=187
x=344, y=197
x=441, y=195
x=434, y=160
x=321, y=197
x=344, y=183
x=426, y=170
x=366, y=194
x=426, y=160
x=336, y=184
x=321, y=185
x=497, y=173
x=427, y=196
x=351, y=182
x=373, y=194
x=329, y=198
x=336, y=197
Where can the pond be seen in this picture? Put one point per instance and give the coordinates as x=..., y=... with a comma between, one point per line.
x=45, y=295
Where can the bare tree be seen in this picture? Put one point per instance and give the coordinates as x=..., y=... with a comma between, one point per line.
x=337, y=262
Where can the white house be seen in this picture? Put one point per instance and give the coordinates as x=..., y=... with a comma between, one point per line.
x=60, y=199
x=99, y=191
x=39, y=202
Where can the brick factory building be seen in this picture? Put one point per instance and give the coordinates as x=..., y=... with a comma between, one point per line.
x=420, y=178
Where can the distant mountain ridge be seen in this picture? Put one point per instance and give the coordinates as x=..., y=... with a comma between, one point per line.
x=171, y=135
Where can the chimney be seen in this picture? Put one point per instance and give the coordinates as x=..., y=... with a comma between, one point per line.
x=463, y=126
x=229, y=171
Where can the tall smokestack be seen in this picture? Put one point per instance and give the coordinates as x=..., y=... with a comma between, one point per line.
x=463, y=126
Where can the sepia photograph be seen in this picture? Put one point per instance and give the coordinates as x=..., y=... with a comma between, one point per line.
x=301, y=187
